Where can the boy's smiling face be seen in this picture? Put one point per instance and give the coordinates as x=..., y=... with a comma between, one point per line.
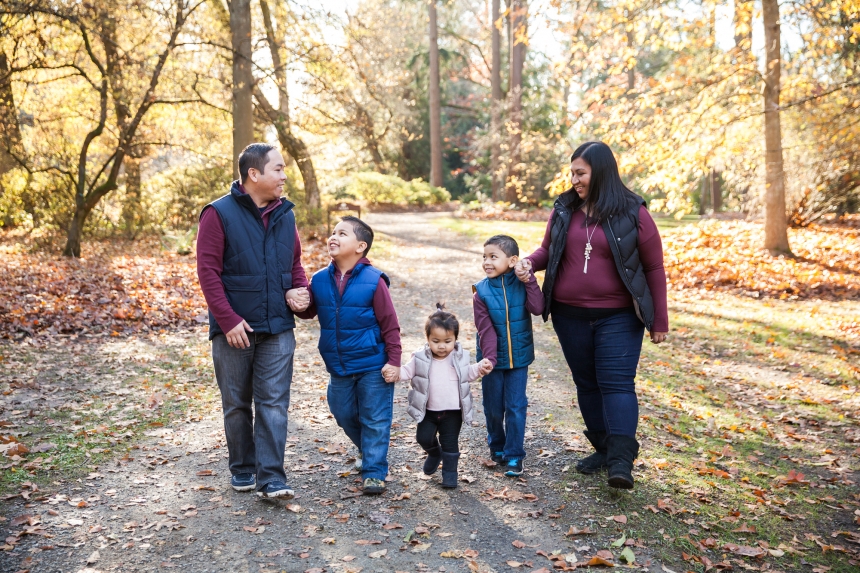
x=496, y=262
x=343, y=244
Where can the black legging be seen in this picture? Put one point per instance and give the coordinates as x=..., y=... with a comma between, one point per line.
x=447, y=424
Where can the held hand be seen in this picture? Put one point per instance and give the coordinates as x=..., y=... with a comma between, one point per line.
x=390, y=373
x=237, y=337
x=485, y=367
x=298, y=299
x=523, y=270
x=658, y=337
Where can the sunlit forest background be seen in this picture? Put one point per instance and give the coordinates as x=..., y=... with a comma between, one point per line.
x=122, y=117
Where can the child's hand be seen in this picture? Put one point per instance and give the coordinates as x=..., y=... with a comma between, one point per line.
x=523, y=270
x=485, y=367
x=298, y=299
x=390, y=373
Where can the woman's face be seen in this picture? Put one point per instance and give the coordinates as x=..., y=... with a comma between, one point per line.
x=580, y=177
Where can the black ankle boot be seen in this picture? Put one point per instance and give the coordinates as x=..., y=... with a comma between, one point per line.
x=620, y=453
x=596, y=461
x=449, y=469
x=431, y=464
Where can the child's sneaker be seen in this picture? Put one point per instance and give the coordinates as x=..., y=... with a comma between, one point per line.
x=514, y=467
x=358, y=462
x=498, y=457
x=373, y=486
x=243, y=482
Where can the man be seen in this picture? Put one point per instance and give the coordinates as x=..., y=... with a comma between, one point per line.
x=250, y=271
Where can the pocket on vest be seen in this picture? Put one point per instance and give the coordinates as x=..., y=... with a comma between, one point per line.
x=286, y=281
x=244, y=295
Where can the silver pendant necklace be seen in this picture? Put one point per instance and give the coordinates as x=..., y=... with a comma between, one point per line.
x=588, y=237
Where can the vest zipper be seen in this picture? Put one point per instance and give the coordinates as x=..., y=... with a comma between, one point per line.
x=508, y=324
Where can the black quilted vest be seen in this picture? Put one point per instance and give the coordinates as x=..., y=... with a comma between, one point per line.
x=622, y=233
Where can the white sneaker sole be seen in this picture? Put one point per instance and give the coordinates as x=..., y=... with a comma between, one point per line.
x=283, y=493
x=251, y=487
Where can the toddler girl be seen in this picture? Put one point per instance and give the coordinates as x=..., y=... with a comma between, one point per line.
x=440, y=399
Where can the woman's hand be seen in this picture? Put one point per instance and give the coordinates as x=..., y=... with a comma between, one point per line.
x=658, y=337
x=523, y=270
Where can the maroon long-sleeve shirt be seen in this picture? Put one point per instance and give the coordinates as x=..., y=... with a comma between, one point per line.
x=602, y=287
x=383, y=308
x=484, y=325
x=211, y=243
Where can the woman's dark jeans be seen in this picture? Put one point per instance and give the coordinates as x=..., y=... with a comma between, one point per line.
x=603, y=355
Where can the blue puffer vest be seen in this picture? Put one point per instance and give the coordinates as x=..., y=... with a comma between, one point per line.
x=350, y=338
x=258, y=262
x=505, y=297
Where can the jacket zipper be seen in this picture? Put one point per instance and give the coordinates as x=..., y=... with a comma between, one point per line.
x=508, y=325
x=338, y=298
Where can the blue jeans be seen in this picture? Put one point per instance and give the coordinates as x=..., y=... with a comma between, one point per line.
x=603, y=356
x=505, y=406
x=261, y=373
x=363, y=405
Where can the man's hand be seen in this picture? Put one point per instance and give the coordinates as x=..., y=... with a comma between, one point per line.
x=237, y=337
x=523, y=270
x=658, y=337
x=298, y=299
x=390, y=373
x=485, y=367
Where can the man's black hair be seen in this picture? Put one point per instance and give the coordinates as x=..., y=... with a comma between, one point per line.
x=506, y=244
x=255, y=155
x=362, y=231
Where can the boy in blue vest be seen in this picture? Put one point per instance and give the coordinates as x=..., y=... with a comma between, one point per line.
x=360, y=345
x=503, y=304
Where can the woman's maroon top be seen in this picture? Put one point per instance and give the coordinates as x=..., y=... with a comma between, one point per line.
x=601, y=286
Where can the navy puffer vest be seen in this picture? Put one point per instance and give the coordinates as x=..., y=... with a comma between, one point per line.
x=622, y=234
x=350, y=339
x=258, y=262
x=505, y=297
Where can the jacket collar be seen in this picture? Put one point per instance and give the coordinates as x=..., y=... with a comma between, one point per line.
x=509, y=278
x=565, y=200
x=283, y=206
x=457, y=352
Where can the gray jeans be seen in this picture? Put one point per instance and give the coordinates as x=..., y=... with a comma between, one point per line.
x=261, y=373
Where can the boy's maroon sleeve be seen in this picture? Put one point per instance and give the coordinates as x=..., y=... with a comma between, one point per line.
x=386, y=316
x=210, y=265
x=300, y=278
x=489, y=340
x=534, y=297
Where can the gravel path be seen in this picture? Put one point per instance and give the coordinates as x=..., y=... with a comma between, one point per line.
x=168, y=504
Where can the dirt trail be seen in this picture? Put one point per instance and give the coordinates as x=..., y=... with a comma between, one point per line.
x=168, y=503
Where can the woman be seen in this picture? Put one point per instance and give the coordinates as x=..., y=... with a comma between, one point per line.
x=604, y=285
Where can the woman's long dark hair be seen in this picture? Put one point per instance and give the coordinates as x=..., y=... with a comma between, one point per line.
x=607, y=194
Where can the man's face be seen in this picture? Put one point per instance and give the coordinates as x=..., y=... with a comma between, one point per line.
x=269, y=185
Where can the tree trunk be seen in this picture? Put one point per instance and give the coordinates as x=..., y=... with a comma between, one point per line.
x=496, y=105
x=293, y=145
x=631, y=68
x=436, y=175
x=10, y=131
x=716, y=190
x=243, y=78
x=132, y=210
x=775, y=224
x=519, y=23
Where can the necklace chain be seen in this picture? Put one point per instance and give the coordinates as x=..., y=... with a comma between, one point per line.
x=588, y=237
